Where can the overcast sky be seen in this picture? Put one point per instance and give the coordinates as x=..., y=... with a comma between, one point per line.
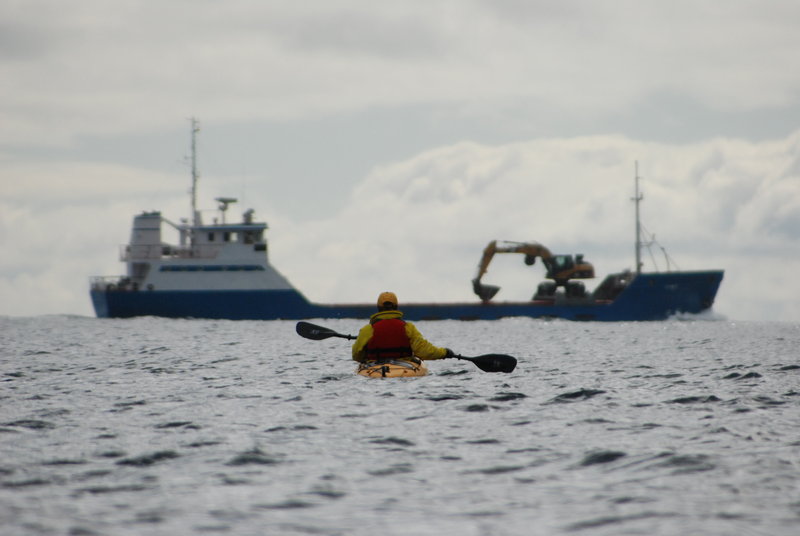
x=386, y=143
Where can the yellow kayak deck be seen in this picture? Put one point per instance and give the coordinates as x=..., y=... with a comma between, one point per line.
x=392, y=368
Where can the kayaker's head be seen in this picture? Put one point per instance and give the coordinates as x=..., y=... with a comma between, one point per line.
x=387, y=301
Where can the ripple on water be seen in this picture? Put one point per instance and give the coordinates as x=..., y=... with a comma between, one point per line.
x=254, y=456
x=573, y=396
x=602, y=456
x=32, y=424
x=145, y=460
x=392, y=441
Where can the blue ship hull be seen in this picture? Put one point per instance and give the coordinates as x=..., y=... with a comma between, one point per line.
x=649, y=296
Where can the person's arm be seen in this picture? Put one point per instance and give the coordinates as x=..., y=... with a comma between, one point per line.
x=421, y=347
x=360, y=346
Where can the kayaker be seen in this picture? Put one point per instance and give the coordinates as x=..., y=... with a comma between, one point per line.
x=388, y=336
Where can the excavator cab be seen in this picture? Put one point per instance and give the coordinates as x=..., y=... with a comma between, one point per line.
x=559, y=264
x=562, y=268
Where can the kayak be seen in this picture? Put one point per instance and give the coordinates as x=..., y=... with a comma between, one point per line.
x=392, y=368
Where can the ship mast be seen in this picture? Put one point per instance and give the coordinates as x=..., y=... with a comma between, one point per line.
x=636, y=199
x=195, y=174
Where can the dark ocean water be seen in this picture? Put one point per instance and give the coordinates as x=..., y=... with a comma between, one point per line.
x=152, y=426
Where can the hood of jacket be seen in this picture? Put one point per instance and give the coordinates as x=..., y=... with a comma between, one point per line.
x=383, y=315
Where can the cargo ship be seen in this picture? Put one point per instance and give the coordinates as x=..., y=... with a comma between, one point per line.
x=221, y=270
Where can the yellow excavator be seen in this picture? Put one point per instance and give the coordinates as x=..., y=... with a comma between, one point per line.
x=560, y=268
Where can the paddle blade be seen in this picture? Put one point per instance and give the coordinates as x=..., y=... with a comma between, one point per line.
x=493, y=362
x=317, y=333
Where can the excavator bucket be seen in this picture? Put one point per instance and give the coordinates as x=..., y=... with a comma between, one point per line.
x=484, y=292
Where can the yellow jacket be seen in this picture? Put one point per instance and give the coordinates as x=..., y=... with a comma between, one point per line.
x=421, y=348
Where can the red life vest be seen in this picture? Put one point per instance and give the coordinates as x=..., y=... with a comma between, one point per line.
x=389, y=340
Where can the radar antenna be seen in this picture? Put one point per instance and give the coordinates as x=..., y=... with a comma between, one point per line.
x=223, y=204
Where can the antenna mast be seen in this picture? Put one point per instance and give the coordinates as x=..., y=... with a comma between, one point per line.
x=195, y=175
x=636, y=199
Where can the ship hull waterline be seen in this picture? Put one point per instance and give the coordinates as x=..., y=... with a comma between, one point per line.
x=649, y=296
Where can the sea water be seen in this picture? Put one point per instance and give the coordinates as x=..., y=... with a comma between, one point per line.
x=172, y=427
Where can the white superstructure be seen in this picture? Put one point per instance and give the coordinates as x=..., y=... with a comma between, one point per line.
x=217, y=256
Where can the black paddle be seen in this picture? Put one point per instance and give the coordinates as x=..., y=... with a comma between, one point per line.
x=487, y=362
x=492, y=362
x=318, y=333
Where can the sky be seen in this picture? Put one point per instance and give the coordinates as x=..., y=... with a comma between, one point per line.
x=386, y=143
